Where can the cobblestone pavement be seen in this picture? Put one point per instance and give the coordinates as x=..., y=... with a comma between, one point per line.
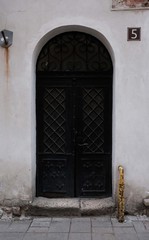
x=82, y=228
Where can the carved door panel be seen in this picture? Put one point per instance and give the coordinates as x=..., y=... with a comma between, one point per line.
x=73, y=136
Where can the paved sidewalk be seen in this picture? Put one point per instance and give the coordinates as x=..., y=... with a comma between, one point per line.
x=87, y=228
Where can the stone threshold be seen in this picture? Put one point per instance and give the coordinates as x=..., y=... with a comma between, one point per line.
x=71, y=207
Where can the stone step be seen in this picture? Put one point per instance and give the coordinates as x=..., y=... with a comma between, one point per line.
x=70, y=207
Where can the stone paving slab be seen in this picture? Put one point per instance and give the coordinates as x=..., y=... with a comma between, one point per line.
x=60, y=226
x=4, y=226
x=80, y=227
x=126, y=236
x=102, y=230
x=143, y=236
x=146, y=224
x=11, y=236
x=139, y=227
x=127, y=223
x=75, y=228
x=57, y=236
x=35, y=236
x=123, y=230
x=101, y=224
x=40, y=224
x=80, y=236
x=106, y=236
x=38, y=229
x=20, y=227
x=101, y=219
x=81, y=219
x=40, y=219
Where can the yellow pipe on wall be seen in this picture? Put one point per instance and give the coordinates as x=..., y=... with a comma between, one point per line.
x=121, y=202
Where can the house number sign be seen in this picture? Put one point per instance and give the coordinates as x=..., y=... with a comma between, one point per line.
x=134, y=34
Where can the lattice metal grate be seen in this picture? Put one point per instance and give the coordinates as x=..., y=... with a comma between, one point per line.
x=54, y=120
x=93, y=119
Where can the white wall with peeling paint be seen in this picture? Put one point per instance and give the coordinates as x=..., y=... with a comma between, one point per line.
x=34, y=22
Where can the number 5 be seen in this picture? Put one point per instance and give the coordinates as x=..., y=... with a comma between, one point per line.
x=134, y=33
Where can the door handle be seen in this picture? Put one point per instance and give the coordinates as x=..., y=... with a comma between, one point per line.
x=82, y=144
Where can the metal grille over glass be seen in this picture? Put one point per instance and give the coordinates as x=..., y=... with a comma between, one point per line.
x=54, y=121
x=74, y=52
x=93, y=120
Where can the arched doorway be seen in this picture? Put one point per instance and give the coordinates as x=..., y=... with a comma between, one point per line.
x=74, y=117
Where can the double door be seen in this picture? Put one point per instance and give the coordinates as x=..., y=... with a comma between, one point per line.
x=74, y=136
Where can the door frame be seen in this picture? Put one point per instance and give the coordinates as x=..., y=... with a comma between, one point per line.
x=98, y=37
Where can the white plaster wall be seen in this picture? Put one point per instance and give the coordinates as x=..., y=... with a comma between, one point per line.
x=33, y=23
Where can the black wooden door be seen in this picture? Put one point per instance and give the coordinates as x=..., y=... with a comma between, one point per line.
x=74, y=136
x=93, y=138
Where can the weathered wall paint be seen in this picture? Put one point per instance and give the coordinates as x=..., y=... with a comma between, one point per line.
x=130, y=4
x=33, y=23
